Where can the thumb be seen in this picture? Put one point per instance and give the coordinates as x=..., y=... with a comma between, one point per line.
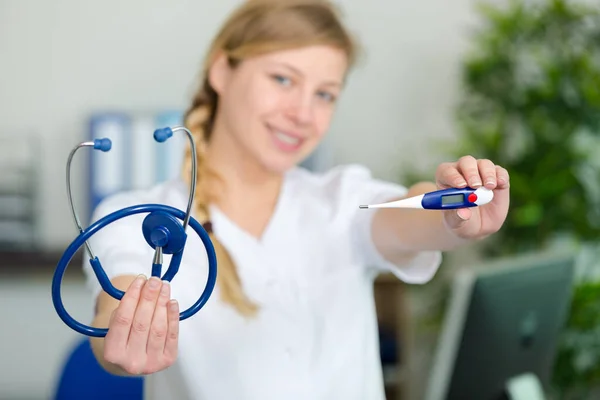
x=455, y=219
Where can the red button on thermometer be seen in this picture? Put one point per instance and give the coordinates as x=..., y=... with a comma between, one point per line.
x=442, y=199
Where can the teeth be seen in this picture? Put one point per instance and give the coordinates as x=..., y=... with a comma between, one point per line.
x=287, y=138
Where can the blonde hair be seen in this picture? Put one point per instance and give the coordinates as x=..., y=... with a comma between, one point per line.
x=256, y=27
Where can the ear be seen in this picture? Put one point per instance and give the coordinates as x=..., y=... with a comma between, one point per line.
x=218, y=73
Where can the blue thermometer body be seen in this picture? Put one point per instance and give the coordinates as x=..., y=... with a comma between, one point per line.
x=444, y=199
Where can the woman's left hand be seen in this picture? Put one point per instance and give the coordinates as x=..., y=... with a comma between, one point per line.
x=476, y=222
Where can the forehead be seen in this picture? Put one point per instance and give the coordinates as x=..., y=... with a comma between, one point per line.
x=317, y=62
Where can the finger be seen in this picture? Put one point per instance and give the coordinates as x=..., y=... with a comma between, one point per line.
x=449, y=176
x=487, y=171
x=158, y=329
x=173, y=331
x=455, y=219
x=502, y=177
x=140, y=328
x=122, y=316
x=469, y=169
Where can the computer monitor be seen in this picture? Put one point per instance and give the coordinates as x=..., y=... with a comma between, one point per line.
x=503, y=320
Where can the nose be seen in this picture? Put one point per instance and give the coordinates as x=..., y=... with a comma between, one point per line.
x=301, y=108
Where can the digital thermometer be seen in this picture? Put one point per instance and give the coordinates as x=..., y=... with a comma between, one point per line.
x=443, y=199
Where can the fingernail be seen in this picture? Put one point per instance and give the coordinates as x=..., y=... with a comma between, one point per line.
x=173, y=306
x=139, y=281
x=460, y=215
x=154, y=282
x=164, y=290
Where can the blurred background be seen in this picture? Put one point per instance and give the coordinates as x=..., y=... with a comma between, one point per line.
x=514, y=81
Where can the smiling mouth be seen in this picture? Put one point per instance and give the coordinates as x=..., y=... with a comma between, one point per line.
x=286, y=142
x=285, y=138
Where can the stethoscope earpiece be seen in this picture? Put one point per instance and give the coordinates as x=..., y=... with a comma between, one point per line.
x=103, y=144
x=161, y=135
x=161, y=229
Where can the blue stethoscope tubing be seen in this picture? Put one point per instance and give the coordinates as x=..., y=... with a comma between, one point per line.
x=161, y=230
x=103, y=278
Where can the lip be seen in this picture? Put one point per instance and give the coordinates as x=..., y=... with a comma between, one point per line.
x=285, y=146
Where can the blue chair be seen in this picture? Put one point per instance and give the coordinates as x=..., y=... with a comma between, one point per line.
x=82, y=377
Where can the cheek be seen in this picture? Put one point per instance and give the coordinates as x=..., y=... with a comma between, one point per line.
x=263, y=106
x=248, y=101
x=323, y=117
x=258, y=104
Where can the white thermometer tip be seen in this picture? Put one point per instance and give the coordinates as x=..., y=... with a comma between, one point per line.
x=411, y=202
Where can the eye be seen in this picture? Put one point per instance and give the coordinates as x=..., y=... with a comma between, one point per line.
x=327, y=96
x=282, y=80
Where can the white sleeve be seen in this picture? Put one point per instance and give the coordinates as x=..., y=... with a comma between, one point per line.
x=361, y=188
x=120, y=246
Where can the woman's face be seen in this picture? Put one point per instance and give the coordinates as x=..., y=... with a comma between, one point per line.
x=277, y=107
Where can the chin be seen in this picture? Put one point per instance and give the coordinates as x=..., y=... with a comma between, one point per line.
x=278, y=167
x=280, y=163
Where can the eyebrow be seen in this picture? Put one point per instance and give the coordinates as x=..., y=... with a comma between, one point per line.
x=298, y=72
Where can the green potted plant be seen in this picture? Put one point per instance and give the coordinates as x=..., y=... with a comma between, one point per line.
x=577, y=367
x=531, y=103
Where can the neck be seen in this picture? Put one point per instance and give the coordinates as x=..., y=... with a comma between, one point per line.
x=243, y=185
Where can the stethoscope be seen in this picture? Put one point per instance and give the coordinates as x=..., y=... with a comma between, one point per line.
x=162, y=231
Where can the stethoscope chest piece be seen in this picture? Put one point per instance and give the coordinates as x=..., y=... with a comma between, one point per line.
x=163, y=230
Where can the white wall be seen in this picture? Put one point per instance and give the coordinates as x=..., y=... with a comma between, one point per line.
x=402, y=96
x=63, y=59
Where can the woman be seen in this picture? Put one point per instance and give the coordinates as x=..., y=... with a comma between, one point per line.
x=292, y=316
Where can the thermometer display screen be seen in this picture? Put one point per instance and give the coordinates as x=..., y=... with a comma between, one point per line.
x=452, y=199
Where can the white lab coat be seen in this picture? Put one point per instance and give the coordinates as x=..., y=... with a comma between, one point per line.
x=312, y=275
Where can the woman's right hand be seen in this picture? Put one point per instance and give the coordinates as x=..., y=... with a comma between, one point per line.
x=143, y=330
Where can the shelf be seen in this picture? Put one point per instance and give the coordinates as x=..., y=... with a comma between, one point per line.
x=16, y=207
x=19, y=163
